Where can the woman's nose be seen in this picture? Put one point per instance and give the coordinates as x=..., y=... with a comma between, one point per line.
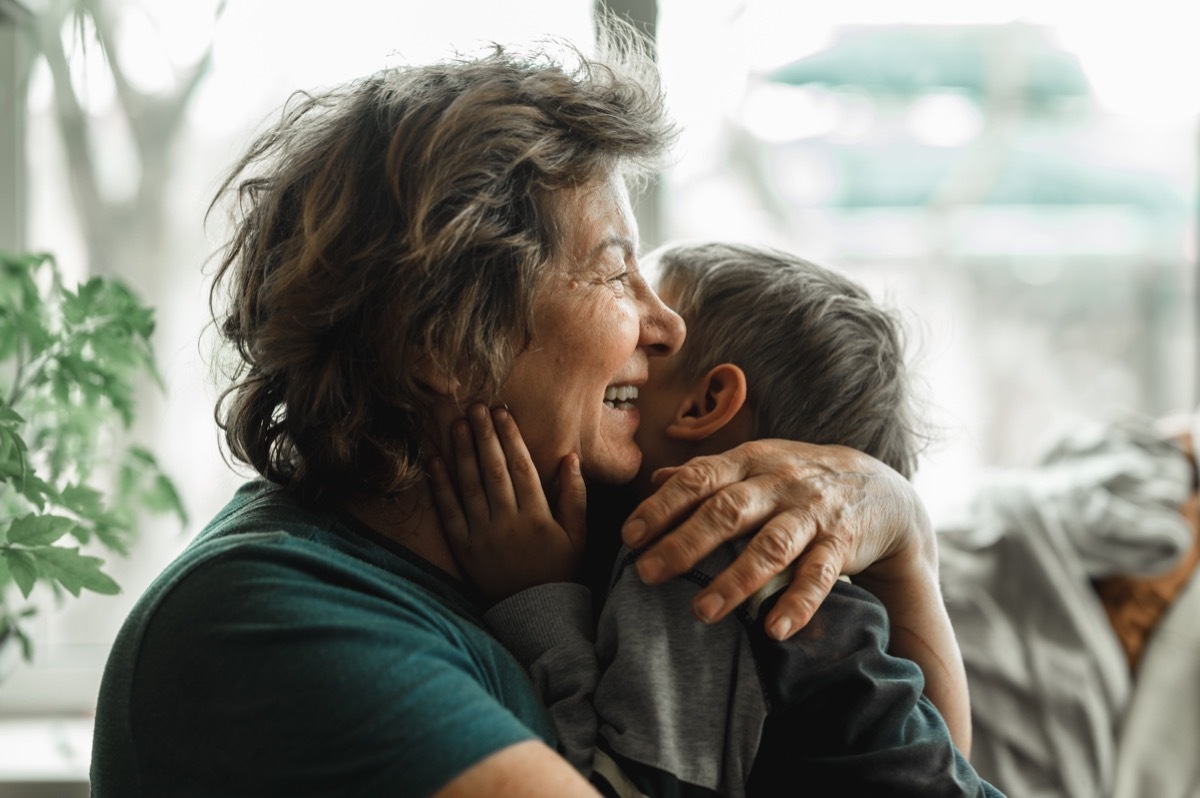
x=663, y=329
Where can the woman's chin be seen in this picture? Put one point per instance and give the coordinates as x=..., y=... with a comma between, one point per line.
x=611, y=469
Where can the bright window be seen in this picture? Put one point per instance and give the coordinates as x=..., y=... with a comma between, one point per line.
x=1019, y=177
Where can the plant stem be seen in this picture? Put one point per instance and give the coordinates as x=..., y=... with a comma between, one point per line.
x=14, y=395
x=38, y=364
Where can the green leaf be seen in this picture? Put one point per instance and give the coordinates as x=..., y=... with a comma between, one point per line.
x=9, y=454
x=23, y=567
x=84, y=350
x=14, y=460
x=38, y=491
x=75, y=309
x=140, y=455
x=84, y=500
x=114, y=533
x=33, y=328
x=61, y=387
x=74, y=571
x=26, y=644
x=164, y=498
x=9, y=341
x=39, y=530
x=18, y=289
x=142, y=481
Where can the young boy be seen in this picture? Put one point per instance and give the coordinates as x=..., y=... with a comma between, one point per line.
x=660, y=703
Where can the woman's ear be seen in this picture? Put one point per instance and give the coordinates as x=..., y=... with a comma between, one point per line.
x=710, y=404
x=436, y=380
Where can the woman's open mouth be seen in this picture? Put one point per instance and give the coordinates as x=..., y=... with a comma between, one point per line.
x=620, y=397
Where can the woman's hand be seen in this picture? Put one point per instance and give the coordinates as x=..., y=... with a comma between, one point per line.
x=821, y=511
x=829, y=510
x=502, y=532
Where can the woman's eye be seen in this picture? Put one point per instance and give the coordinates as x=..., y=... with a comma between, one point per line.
x=620, y=281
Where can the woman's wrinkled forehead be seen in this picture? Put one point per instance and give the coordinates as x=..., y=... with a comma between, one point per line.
x=594, y=225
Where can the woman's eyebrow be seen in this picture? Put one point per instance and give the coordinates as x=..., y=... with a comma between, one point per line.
x=627, y=246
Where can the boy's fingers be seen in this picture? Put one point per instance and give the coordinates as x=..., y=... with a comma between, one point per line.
x=493, y=465
x=526, y=482
x=446, y=501
x=470, y=485
x=572, y=501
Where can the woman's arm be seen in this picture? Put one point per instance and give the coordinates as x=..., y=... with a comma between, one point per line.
x=525, y=770
x=907, y=586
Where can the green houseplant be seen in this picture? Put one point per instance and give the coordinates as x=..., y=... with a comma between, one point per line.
x=70, y=360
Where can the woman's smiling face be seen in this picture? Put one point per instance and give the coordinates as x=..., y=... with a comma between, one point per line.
x=596, y=324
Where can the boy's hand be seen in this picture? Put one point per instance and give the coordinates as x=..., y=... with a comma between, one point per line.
x=502, y=532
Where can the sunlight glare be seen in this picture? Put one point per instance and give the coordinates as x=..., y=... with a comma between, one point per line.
x=944, y=119
x=90, y=76
x=141, y=52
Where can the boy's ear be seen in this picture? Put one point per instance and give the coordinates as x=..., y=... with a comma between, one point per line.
x=710, y=404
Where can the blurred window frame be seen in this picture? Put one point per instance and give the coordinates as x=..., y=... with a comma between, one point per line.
x=14, y=63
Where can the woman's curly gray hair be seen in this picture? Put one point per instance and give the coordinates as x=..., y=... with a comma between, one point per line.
x=402, y=225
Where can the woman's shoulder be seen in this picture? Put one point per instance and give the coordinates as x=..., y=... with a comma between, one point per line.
x=265, y=559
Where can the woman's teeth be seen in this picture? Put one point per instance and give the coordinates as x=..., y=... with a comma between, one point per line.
x=620, y=396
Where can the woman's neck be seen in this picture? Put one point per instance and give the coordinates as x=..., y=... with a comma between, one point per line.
x=411, y=520
x=410, y=517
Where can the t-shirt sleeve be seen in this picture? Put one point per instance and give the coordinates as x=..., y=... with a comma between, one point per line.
x=258, y=676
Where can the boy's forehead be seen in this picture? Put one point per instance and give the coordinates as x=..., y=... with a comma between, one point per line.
x=667, y=294
x=651, y=265
x=666, y=288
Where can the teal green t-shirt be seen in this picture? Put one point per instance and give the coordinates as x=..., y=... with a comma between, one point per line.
x=289, y=652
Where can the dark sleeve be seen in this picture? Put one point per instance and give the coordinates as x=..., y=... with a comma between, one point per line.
x=550, y=630
x=678, y=701
x=649, y=708
x=846, y=714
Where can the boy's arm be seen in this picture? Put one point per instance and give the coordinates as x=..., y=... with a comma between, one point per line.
x=549, y=629
x=684, y=706
x=851, y=712
x=823, y=511
x=519, y=554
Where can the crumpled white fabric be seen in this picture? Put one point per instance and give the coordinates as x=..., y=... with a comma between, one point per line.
x=1050, y=686
x=1116, y=489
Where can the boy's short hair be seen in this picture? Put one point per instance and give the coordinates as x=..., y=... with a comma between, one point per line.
x=824, y=363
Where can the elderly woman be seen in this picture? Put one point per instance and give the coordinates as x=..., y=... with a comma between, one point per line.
x=405, y=245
